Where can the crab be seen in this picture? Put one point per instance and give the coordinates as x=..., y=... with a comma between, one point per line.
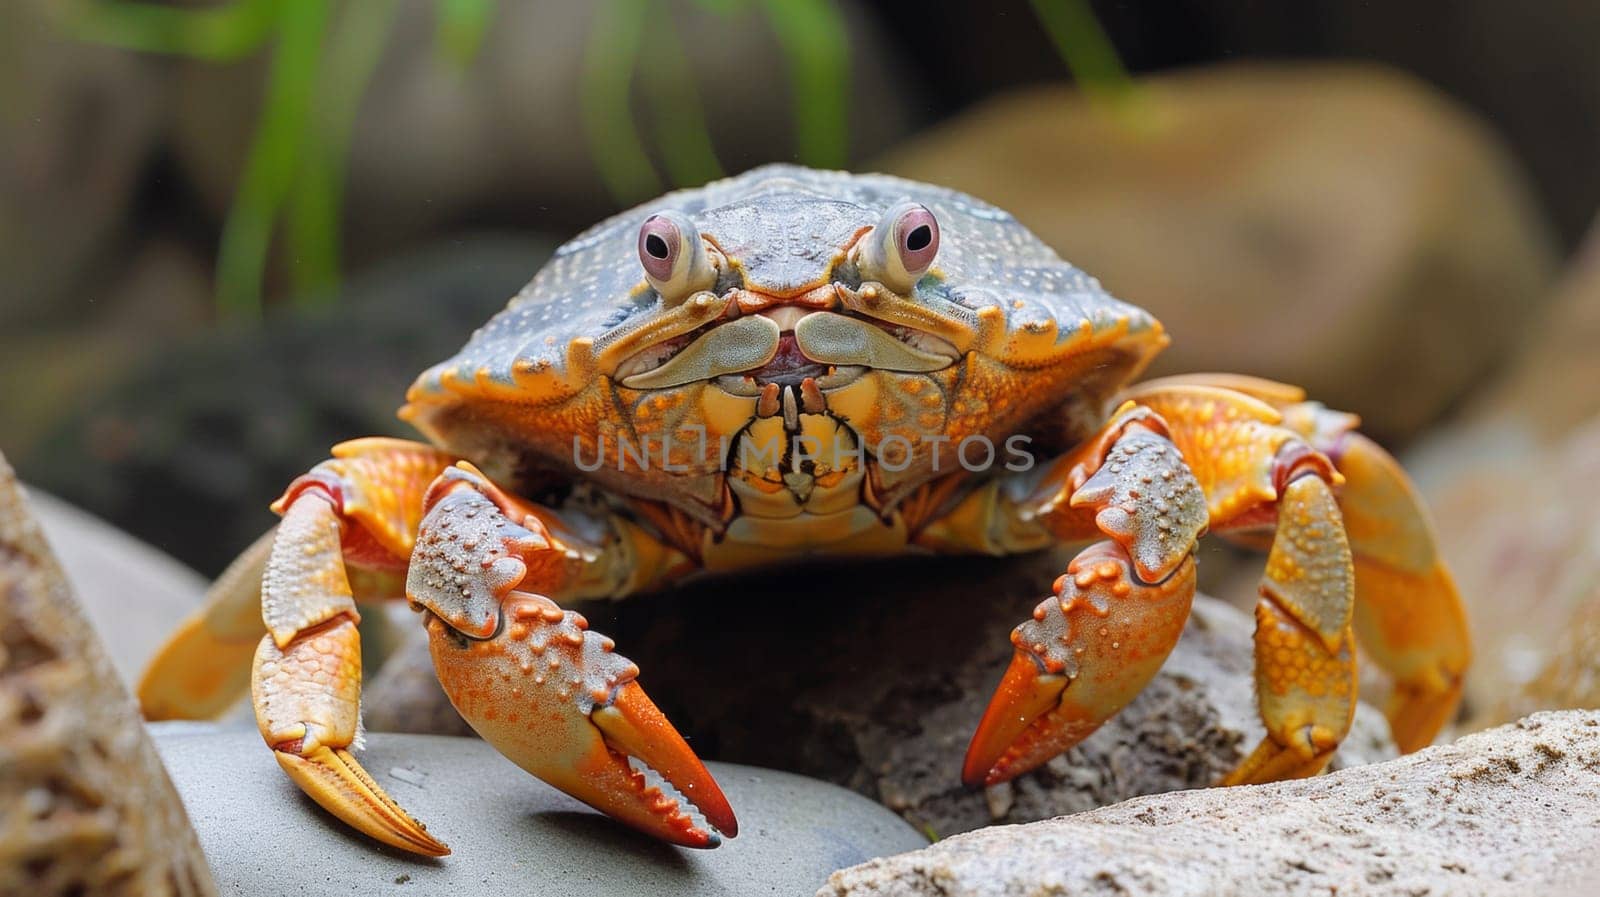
x=794, y=363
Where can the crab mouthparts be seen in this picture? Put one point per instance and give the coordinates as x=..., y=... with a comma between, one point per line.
x=789, y=366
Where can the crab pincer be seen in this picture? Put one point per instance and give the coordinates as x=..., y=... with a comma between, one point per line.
x=532, y=679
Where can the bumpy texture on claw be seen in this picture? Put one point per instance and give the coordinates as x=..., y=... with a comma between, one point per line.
x=1086, y=653
x=535, y=683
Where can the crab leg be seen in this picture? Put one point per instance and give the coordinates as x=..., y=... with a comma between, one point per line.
x=306, y=681
x=204, y=667
x=1408, y=615
x=1245, y=471
x=1086, y=653
x=1257, y=473
x=1116, y=614
x=534, y=682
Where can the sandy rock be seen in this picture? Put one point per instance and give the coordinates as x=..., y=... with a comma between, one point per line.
x=1511, y=811
x=874, y=675
x=511, y=834
x=1310, y=223
x=85, y=807
x=1515, y=485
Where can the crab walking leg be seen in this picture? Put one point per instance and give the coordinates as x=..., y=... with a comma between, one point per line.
x=1408, y=615
x=1116, y=614
x=306, y=681
x=1305, y=669
x=204, y=666
x=1257, y=472
x=1172, y=461
x=533, y=681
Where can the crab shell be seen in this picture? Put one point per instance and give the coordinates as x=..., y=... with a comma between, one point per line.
x=1035, y=344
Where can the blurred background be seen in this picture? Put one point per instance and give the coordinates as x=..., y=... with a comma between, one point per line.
x=231, y=233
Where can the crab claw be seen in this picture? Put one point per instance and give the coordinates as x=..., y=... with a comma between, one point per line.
x=1085, y=654
x=555, y=699
x=1026, y=694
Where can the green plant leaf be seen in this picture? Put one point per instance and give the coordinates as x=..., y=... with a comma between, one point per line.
x=462, y=27
x=312, y=236
x=274, y=156
x=1083, y=46
x=816, y=46
x=220, y=34
x=677, y=116
x=609, y=59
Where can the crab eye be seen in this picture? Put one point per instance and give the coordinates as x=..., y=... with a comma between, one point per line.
x=674, y=257
x=901, y=248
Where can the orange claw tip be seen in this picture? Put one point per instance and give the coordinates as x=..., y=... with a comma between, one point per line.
x=1025, y=695
x=334, y=779
x=632, y=725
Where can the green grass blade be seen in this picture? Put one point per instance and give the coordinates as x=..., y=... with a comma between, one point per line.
x=1083, y=46
x=816, y=45
x=271, y=165
x=312, y=235
x=679, y=120
x=609, y=59
x=462, y=27
x=220, y=34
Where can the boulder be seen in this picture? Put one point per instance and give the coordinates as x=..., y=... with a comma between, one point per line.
x=1306, y=222
x=133, y=594
x=1510, y=811
x=1515, y=484
x=510, y=833
x=85, y=807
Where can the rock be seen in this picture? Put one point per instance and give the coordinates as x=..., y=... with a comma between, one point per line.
x=1515, y=484
x=1544, y=55
x=510, y=833
x=1309, y=223
x=874, y=675
x=156, y=295
x=85, y=807
x=1511, y=811
x=218, y=426
x=132, y=593
x=1548, y=388
x=81, y=122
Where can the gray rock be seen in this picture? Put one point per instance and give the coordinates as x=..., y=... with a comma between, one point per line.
x=132, y=593
x=511, y=833
x=1513, y=811
x=874, y=675
x=1308, y=222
